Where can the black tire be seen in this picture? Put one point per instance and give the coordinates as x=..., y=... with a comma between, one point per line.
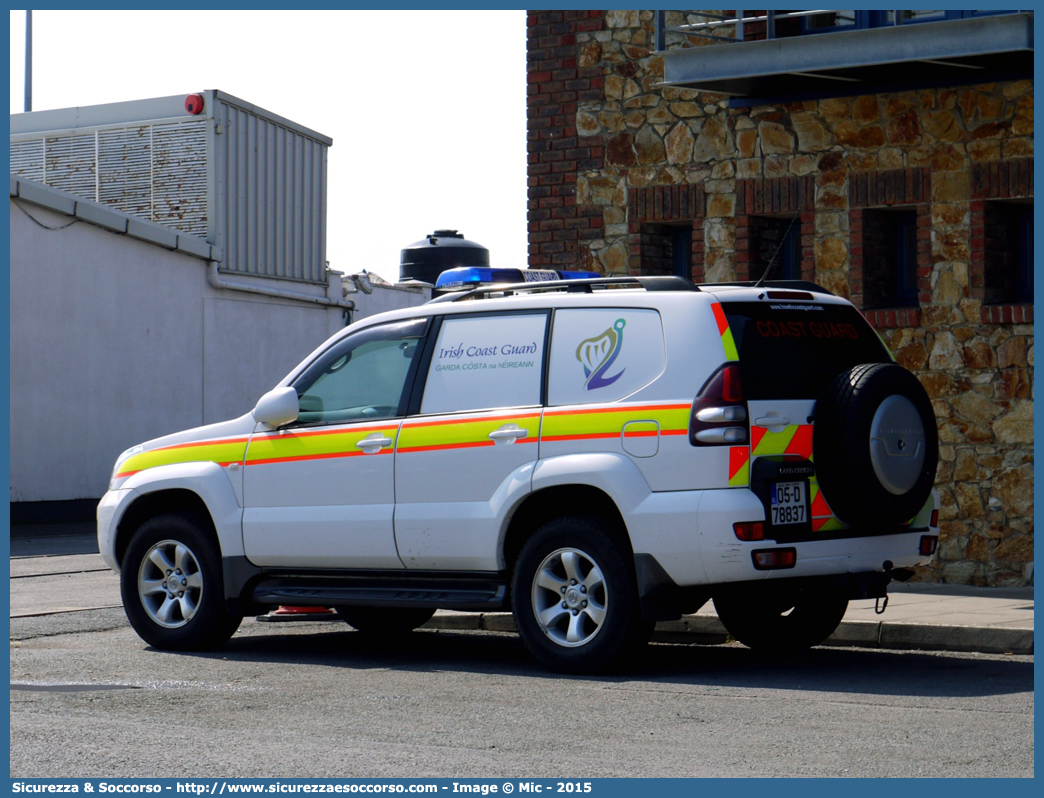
x=778, y=618
x=209, y=623
x=856, y=461
x=384, y=621
x=605, y=622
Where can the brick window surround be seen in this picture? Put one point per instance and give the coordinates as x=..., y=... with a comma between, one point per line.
x=996, y=180
x=555, y=87
x=773, y=197
x=649, y=211
x=889, y=188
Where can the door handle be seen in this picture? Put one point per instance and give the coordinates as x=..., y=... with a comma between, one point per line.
x=508, y=434
x=772, y=421
x=374, y=443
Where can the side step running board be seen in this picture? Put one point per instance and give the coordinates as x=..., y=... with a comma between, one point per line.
x=477, y=598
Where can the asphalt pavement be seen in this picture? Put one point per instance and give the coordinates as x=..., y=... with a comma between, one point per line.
x=317, y=699
x=68, y=575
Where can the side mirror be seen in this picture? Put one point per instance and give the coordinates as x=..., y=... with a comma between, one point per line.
x=277, y=407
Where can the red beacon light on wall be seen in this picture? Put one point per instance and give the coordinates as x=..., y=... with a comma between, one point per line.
x=194, y=104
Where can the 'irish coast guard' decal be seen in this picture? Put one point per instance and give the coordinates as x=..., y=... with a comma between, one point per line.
x=596, y=355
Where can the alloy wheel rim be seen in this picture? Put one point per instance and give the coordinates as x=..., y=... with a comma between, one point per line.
x=170, y=584
x=570, y=597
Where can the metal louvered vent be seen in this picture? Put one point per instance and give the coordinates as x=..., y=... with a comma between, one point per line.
x=179, y=176
x=27, y=159
x=157, y=172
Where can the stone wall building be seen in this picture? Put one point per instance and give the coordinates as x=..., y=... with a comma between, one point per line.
x=913, y=198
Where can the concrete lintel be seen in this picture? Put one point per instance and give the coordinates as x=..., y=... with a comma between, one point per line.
x=193, y=245
x=153, y=233
x=704, y=67
x=102, y=216
x=47, y=198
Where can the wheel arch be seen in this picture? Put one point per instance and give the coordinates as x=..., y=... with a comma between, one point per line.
x=171, y=500
x=558, y=501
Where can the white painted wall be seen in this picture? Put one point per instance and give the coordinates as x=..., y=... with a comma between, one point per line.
x=115, y=341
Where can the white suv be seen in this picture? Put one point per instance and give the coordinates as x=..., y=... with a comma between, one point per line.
x=595, y=455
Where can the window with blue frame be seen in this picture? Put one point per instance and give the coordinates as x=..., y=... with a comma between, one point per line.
x=666, y=249
x=890, y=258
x=681, y=251
x=775, y=248
x=1008, y=247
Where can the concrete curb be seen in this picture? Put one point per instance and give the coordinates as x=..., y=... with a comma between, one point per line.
x=708, y=630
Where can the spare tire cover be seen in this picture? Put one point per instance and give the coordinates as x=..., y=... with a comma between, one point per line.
x=875, y=445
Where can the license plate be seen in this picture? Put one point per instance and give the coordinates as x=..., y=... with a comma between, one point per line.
x=788, y=503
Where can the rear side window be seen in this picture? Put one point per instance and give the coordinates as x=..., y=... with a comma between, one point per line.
x=791, y=350
x=485, y=362
x=604, y=354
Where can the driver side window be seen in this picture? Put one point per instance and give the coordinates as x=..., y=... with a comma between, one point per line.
x=364, y=377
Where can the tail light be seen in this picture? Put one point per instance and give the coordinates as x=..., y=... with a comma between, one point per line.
x=719, y=412
x=933, y=522
x=769, y=559
x=928, y=544
x=749, y=530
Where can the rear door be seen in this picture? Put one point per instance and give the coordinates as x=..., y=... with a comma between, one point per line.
x=469, y=445
x=789, y=350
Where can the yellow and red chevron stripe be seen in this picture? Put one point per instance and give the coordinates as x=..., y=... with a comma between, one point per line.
x=463, y=433
x=731, y=353
x=592, y=423
x=796, y=439
x=739, y=466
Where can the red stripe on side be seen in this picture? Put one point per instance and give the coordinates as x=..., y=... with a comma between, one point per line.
x=719, y=316
x=277, y=434
x=189, y=444
x=443, y=422
x=653, y=433
x=326, y=456
x=444, y=446
x=623, y=409
x=590, y=437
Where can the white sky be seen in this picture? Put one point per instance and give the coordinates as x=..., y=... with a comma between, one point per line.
x=427, y=109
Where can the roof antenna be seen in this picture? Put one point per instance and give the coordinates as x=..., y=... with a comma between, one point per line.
x=773, y=258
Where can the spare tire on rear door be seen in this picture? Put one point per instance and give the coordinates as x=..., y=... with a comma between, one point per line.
x=875, y=445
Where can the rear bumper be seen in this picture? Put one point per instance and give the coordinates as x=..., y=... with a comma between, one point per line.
x=690, y=537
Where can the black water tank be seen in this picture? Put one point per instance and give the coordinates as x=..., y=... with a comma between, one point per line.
x=444, y=249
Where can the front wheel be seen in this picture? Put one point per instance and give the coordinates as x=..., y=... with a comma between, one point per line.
x=574, y=598
x=172, y=587
x=778, y=618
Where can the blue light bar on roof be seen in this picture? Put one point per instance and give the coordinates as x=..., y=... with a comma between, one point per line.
x=466, y=277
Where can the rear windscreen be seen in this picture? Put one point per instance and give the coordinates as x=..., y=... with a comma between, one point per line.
x=791, y=350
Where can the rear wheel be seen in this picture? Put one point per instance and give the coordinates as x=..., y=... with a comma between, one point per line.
x=172, y=586
x=781, y=618
x=574, y=598
x=384, y=621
